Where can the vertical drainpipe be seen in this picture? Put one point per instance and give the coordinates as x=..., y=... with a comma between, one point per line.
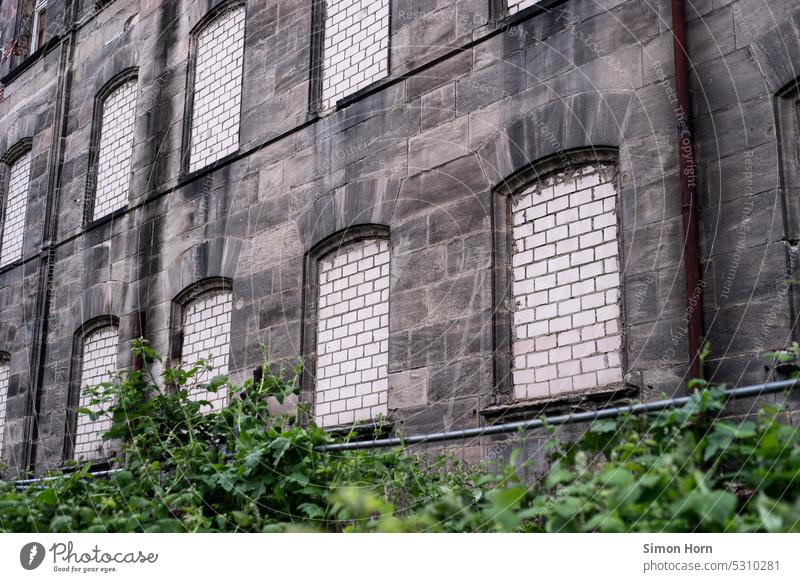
x=688, y=179
x=50, y=228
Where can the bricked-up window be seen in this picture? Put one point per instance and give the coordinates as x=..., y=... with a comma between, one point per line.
x=15, y=209
x=115, y=150
x=356, y=46
x=566, y=279
x=98, y=364
x=217, y=99
x=516, y=6
x=5, y=371
x=353, y=333
x=206, y=336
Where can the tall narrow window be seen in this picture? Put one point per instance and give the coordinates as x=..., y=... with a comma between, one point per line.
x=14, y=210
x=217, y=99
x=356, y=47
x=566, y=278
x=353, y=333
x=515, y=6
x=39, y=24
x=98, y=364
x=4, y=374
x=115, y=150
x=206, y=335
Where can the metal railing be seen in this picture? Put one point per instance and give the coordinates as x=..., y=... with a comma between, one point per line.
x=560, y=420
x=23, y=483
x=510, y=427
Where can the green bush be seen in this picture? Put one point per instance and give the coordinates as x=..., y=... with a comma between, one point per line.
x=183, y=468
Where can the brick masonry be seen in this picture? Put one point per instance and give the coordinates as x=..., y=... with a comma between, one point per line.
x=4, y=372
x=353, y=334
x=206, y=336
x=217, y=103
x=356, y=46
x=15, y=211
x=115, y=150
x=473, y=103
x=565, y=259
x=98, y=363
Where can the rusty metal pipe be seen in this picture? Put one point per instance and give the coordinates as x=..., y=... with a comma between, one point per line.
x=688, y=179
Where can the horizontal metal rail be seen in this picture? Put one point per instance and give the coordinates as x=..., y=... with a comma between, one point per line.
x=522, y=425
x=22, y=483
x=509, y=427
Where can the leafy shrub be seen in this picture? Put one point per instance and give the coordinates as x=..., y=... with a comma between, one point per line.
x=184, y=468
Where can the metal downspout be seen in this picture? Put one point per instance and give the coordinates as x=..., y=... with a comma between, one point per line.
x=50, y=229
x=688, y=179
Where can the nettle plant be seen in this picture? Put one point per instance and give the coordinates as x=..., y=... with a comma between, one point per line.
x=186, y=467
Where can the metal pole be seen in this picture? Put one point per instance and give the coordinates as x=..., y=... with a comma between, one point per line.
x=508, y=427
x=688, y=181
x=22, y=483
x=644, y=407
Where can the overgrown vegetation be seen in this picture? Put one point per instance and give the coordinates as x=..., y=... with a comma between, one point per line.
x=243, y=469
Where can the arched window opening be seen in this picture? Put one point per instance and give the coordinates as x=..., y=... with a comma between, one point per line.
x=217, y=88
x=353, y=333
x=566, y=283
x=15, y=209
x=98, y=363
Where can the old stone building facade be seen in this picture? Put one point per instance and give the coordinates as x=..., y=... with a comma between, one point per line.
x=456, y=212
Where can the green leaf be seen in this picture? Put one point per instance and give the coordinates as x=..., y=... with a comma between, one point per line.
x=606, y=523
x=217, y=382
x=769, y=521
x=557, y=475
x=568, y=507
x=615, y=476
x=280, y=445
x=716, y=506
x=311, y=510
x=604, y=426
x=47, y=497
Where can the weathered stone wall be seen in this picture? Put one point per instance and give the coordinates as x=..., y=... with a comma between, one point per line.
x=472, y=110
x=27, y=120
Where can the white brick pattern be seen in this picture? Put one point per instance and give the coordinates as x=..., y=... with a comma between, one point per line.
x=98, y=364
x=4, y=374
x=566, y=275
x=353, y=334
x=206, y=335
x=356, y=46
x=15, y=210
x=217, y=89
x=116, y=148
x=514, y=7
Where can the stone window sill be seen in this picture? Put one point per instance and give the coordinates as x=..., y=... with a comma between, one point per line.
x=543, y=6
x=19, y=67
x=568, y=402
x=12, y=265
x=110, y=216
x=71, y=465
x=365, y=431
